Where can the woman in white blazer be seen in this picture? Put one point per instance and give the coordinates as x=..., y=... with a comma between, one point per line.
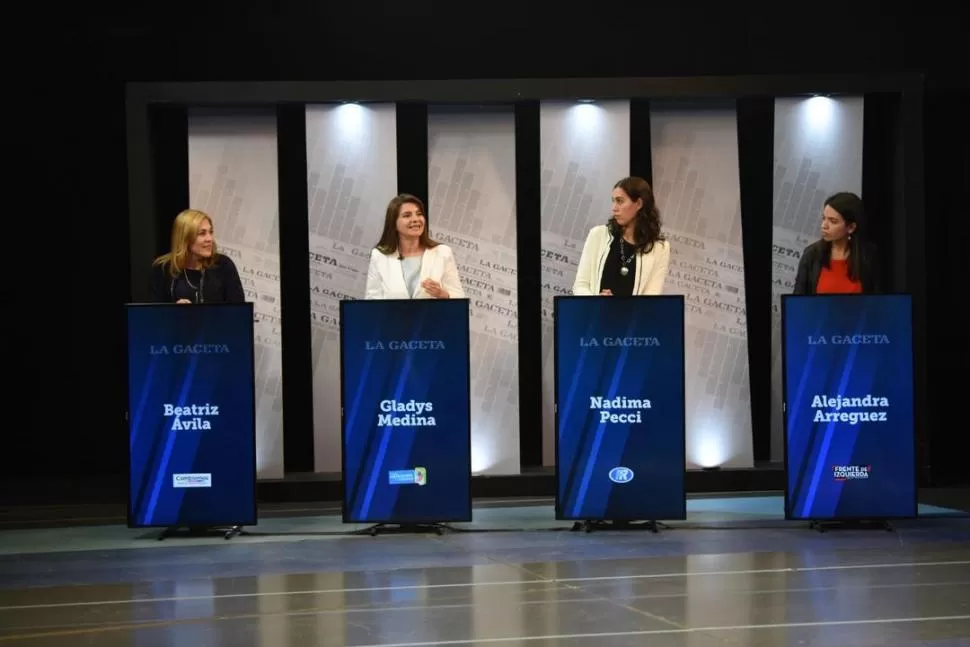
x=628, y=255
x=407, y=263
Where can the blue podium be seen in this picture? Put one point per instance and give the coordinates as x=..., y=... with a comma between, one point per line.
x=620, y=416
x=850, y=444
x=405, y=413
x=191, y=417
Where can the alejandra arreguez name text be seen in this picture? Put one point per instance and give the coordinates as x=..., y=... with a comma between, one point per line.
x=838, y=408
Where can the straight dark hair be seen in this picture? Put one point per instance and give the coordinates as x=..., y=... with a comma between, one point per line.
x=850, y=207
x=646, y=225
x=390, y=239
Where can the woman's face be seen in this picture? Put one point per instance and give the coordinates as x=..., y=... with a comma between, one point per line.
x=410, y=220
x=834, y=227
x=202, y=245
x=624, y=209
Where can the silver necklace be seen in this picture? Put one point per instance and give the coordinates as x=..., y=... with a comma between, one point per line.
x=198, y=290
x=624, y=261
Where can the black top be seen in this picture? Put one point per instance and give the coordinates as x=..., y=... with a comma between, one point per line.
x=217, y=284
x=810, y=267
x=613, y=280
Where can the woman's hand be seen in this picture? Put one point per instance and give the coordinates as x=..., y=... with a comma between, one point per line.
x=606, y=293
x=183, y=301
x=434, y=288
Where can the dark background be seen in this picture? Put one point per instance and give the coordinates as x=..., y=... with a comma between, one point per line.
x=67, y=220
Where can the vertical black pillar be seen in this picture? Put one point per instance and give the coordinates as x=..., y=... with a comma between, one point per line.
x=641, y=157
x=756, y=140
x=881, y=193
x=412, y=152
x=528, y=200
x=169, y=136
x=141, y=209
x=930, y=408
x=297, y=390
x=944, y=249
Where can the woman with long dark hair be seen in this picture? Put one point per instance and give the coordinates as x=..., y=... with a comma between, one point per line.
x=840, y=262
x=407, y=263
x=629, y=254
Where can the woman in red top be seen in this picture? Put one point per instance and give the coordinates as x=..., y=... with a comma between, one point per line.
x=839, y=263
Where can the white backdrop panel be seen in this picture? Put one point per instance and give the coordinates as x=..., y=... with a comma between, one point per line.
x=471, y=186
x=585, y=150
x=351, y=176
x=697, y=185
x=233, y=177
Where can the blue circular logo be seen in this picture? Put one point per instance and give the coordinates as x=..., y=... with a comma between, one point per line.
x=621, y=475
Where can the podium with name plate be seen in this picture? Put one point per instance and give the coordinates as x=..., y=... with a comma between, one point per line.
x=191, y=417
x=850, y=442
x=405, y=413
x=620, y=410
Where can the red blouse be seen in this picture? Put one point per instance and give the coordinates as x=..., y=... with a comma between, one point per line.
x=835, y=279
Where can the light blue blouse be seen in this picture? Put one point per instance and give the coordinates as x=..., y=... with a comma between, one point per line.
x=412, y=271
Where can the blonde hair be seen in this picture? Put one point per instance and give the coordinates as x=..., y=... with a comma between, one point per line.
x=185, y=230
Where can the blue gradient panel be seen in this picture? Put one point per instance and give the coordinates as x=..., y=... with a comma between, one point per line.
x=850, y=443
x=192, y=440
x=620, y=408
x=405, y=379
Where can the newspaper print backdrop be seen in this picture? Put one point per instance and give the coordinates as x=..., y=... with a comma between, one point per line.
x=351, y=176
x=818, y=152
x=697, y=186
x=585, y=150
x=471, y=208
x=233, y=177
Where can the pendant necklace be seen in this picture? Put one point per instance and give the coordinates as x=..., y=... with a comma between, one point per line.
x=198, y=290
x=624, y=261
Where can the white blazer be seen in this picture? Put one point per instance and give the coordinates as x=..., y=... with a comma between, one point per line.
x=385, y=276
x=649, y=275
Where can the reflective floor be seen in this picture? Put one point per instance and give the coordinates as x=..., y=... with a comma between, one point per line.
x=745, y=586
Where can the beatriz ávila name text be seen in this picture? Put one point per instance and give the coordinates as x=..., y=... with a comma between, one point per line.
x=190, y=417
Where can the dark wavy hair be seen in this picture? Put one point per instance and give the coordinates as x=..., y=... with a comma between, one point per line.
x=850, y=207
x=390, y=239
x=646, y=225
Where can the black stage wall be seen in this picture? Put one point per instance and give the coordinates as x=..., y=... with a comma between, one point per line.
x=64, y=412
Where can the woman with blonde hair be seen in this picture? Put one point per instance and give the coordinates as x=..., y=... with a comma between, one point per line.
x=193, y=271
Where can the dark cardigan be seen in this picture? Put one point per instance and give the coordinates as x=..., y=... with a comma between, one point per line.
x=221, y=285
x=810, y=267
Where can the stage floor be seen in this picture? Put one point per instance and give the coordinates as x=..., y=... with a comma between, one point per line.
x=734, y=573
